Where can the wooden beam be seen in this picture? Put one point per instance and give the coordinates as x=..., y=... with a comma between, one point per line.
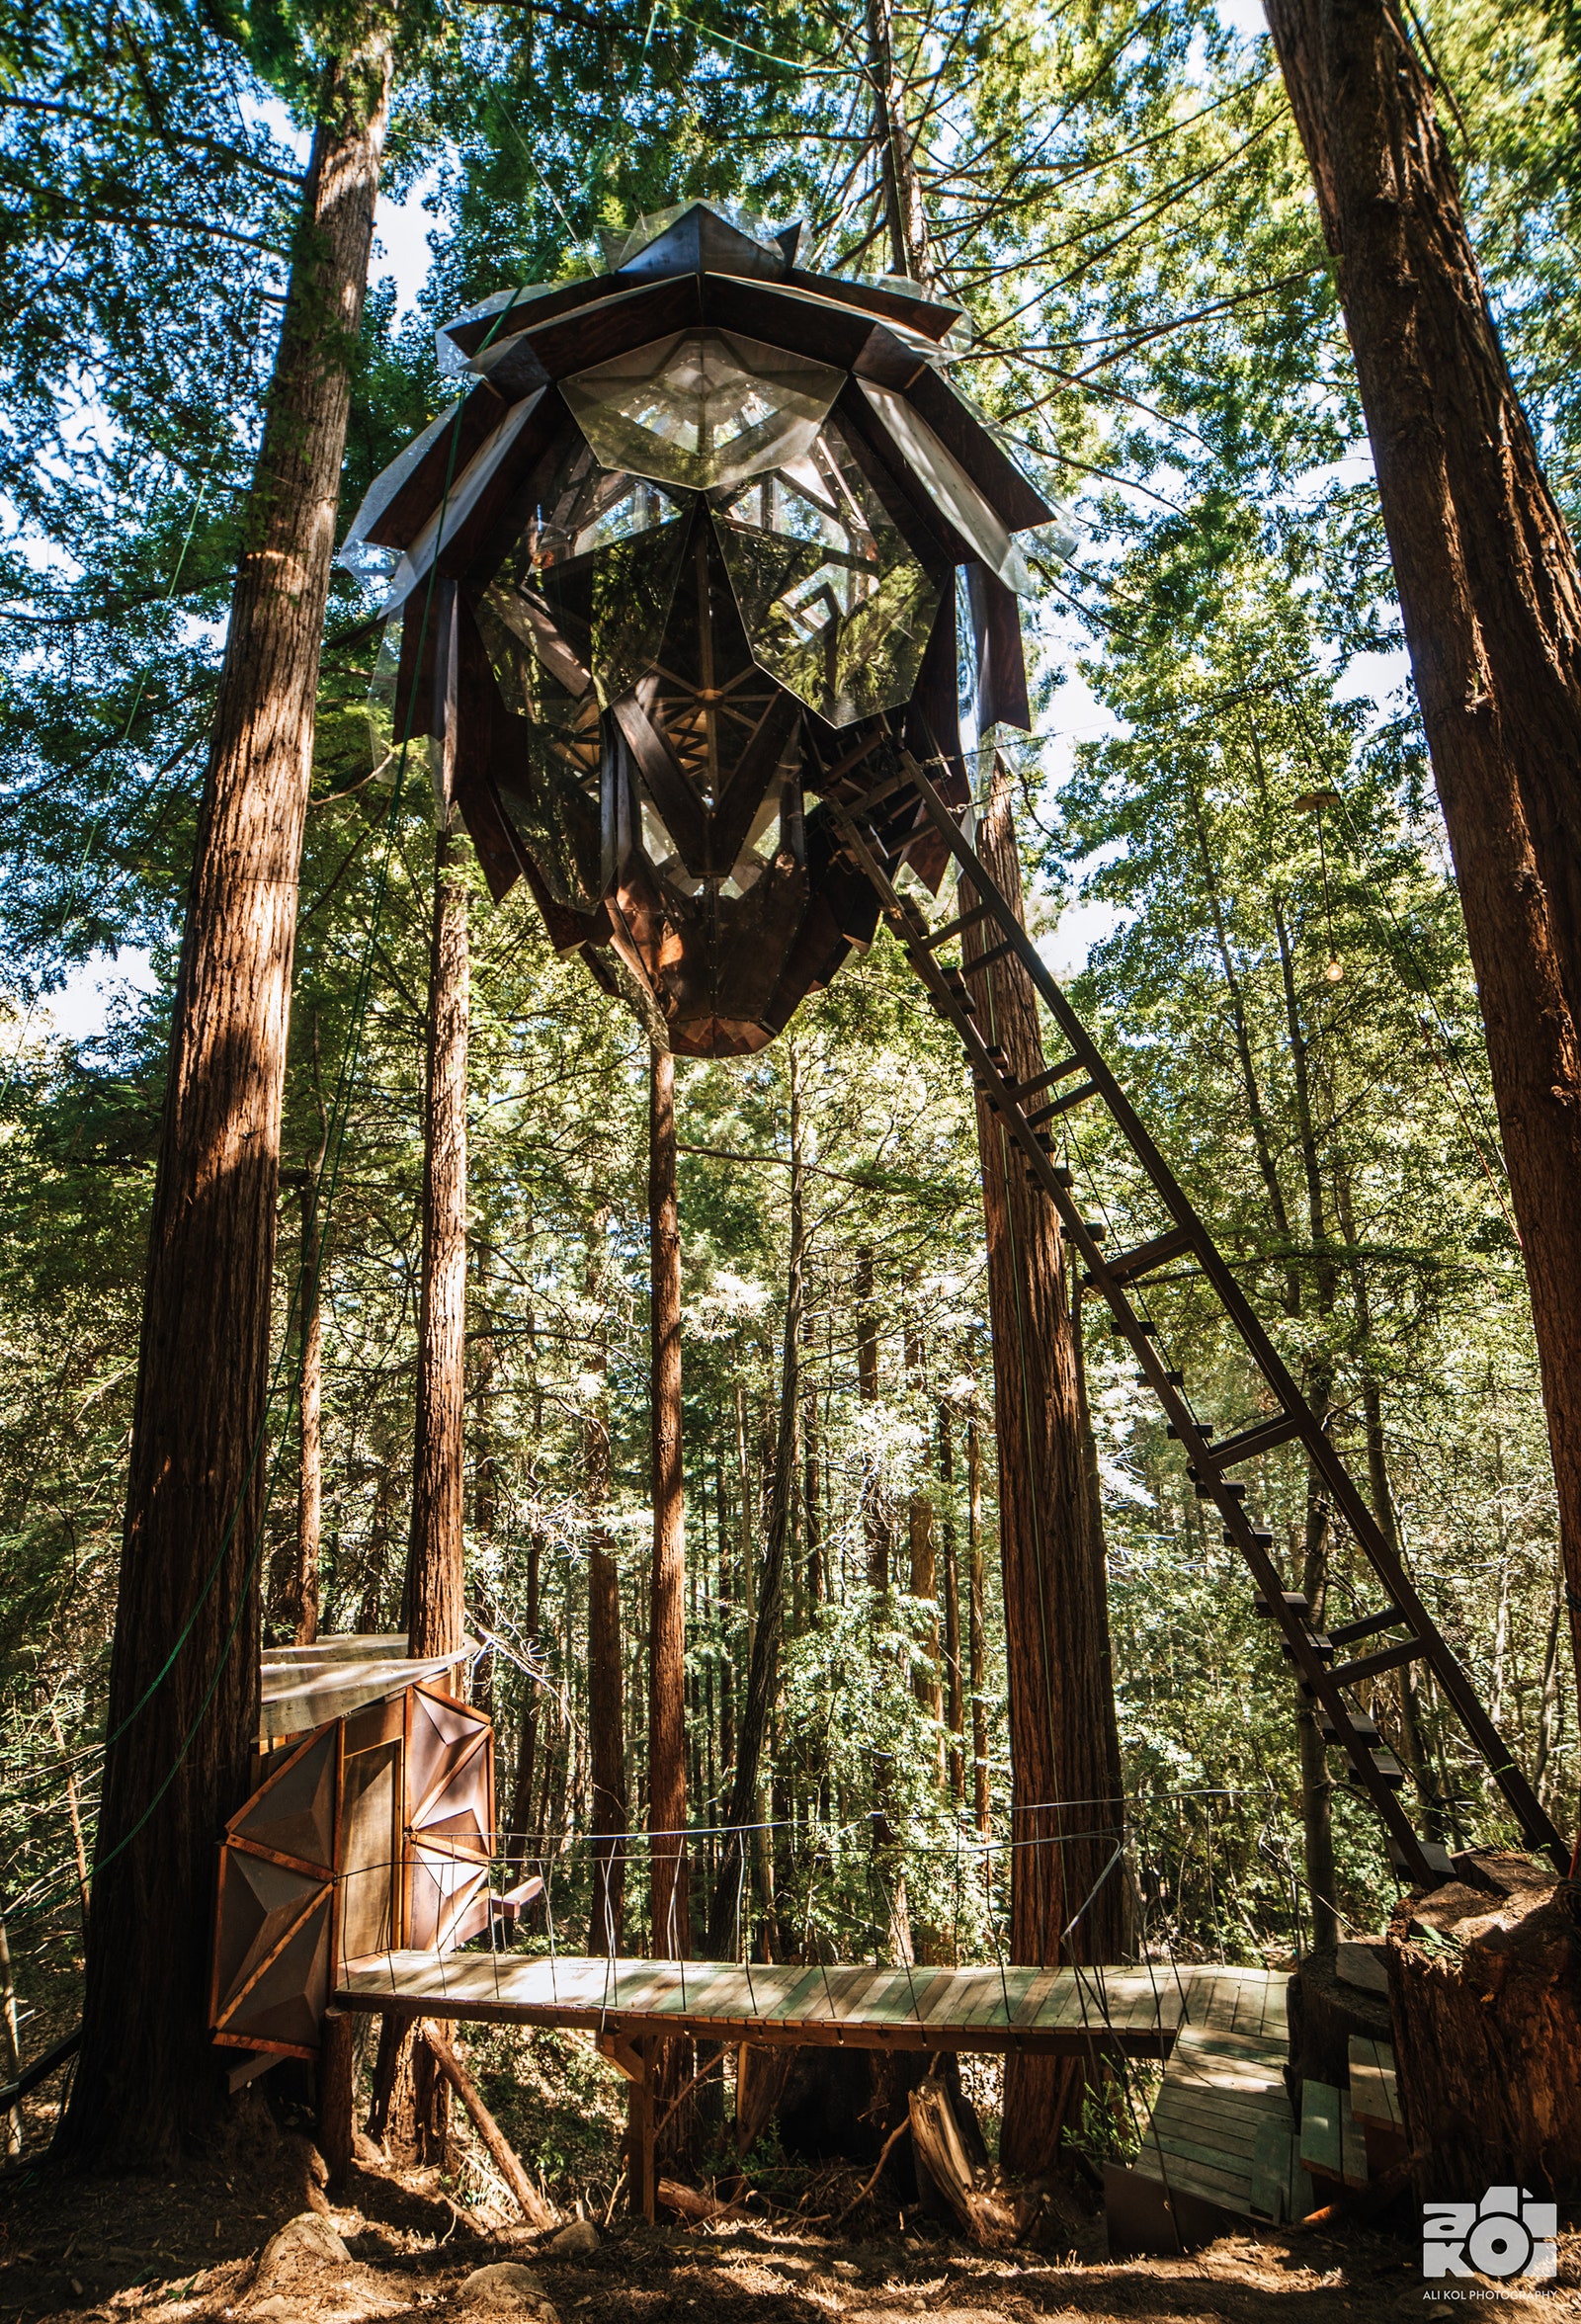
x=536, y=2208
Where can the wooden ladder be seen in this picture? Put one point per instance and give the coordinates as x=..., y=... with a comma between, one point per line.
x=875, y=822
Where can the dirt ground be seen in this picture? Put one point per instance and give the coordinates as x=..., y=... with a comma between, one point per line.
x=187, y=2251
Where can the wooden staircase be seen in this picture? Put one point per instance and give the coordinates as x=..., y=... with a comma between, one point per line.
x=881, y=801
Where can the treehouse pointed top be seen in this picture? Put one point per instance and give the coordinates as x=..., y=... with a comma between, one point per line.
x=709, y=542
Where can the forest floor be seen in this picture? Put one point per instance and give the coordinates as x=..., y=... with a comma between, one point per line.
x=192, y=2250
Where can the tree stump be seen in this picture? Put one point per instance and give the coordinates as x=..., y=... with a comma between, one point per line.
x=1485, y=1995
x=1324, y=2010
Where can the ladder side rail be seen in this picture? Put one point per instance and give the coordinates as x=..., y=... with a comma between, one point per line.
x=1435, y=1651
x=1304, y=1647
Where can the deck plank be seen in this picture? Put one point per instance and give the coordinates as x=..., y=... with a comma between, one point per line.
x=986, y=2007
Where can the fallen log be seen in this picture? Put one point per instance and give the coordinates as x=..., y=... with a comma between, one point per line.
x=693, y=2207
x=535, y=2206
x=993, y=2215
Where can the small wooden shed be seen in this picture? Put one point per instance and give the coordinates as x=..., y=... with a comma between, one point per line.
x=371, y=1828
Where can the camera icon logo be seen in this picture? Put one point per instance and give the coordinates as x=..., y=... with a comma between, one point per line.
x=1505, y=2234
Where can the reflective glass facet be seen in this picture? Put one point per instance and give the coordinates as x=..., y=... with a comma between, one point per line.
x=574, y=614
x=947, y=483
x=704, y=409
x=834, y=604
x=589, y=582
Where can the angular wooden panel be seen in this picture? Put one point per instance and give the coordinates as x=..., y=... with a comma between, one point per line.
x=292, y=1813
x=260, y=1902
x=284, y=2008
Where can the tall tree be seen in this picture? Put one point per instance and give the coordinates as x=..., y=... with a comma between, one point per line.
x=606, y=1720
x=1490, y=592
x=182, y=1701
x=672, y=1916
x=1067, y=1802
x=763, y=1669
x=436, y=1565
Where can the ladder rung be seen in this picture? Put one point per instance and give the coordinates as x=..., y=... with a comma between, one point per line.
x=872, y=799
x=1056, y=1072
x=1295, y=1601
x=853, y=758
x=1435, y=1857
x=1362, y=1729
x=1046, y=1080
x=1317, y=1643
x=986, y=959
x=1128, y=1266
x=942, y=936
x=1075, y=1097
x=1372, y=1666
x=1349, y=1633
x=1261, y=1437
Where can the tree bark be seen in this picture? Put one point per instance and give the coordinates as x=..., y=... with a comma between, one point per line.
x=671, y=2062
x=310, y=1439
x=1063, y=1736
x=1488, y=2029
x=520, y=1826
x=1490, y=595
x=607, y=1745
x=672, y=1915
x=182, y=1701
x=976, y=1640
x=606, y=1720
x=763, y=1670
x=955, y=1709
x=875, y=1523
x=436, y=1568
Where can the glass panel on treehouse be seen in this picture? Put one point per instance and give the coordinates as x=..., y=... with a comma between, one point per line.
x=947, y=485
x=703, y=409
x=588, y=585
x=659, y=845
x=969, y=669
x=719, y=719
x=758, y=848
x=380, y=766
x=833, y=602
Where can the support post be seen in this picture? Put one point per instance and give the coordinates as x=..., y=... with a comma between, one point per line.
x=644, y=2190
x=335, y=2096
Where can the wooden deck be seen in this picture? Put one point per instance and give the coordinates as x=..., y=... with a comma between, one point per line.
x=1059, y=2012
x=1221, y=2138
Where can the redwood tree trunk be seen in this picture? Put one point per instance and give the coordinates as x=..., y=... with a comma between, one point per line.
x=763, y=1669
x=310, y=1439
x=671, y=1913
x=977, y=1645
x=180, y=1738
x=605, y=1751
x=521, y=1830
x=1491, y=598
x=605, y=1694
x=1063, y=1739
x=435, y=1580
x=672, y=1917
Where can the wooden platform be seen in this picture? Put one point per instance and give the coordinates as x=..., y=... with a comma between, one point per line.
x=1060, y=2012
x=1221, y=2140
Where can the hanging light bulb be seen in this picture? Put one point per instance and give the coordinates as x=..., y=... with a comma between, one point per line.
x=1334, y=971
